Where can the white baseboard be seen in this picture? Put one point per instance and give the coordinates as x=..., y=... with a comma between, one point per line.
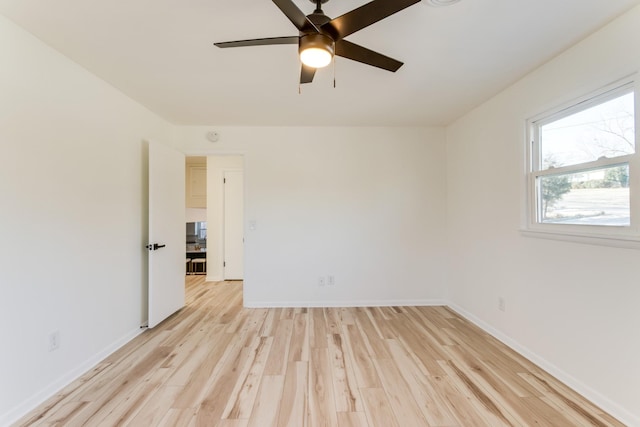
x=31, y=403
x=354, y=303
x=598, y=399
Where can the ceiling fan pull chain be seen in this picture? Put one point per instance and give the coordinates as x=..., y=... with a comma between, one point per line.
x=334, y=71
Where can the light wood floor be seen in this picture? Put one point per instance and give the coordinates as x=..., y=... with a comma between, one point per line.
x=217, y=364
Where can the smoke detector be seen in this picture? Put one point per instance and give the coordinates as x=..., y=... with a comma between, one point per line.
x=213, y=136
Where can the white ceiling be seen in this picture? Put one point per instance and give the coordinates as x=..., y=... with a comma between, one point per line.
x=161, y=53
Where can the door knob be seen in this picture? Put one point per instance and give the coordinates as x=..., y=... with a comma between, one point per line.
x=154, y=247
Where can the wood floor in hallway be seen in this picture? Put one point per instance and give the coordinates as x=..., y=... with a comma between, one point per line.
x=215, y=363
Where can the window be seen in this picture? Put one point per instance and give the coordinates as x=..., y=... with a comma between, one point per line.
x=583, y=166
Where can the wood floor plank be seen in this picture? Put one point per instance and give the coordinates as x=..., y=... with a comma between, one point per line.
x=156, y=408
x=431, y=321
x=334, y=322
x=380, y=317
x=403, y=403
x=124, y=409
x=494, y=386
x=422, y=348
x=377, y=408
x=268, y=327
x=233, y=423
x=295, y=396
x=217, y=396
x=322, y=410
x=366, y=374
x=267, y=405
x=459, y=403
x=57, y=406
x=179, y=418
x=279, y=356
x=192, y=355
x=346, y=316
x=115, y=402
x=318, y=329
x=287, y=313
x=375, y=343
x=243, y=396
x=345, y=389
x=564, y=404
x=299, y=347
x=432, y=404
x=352, y=419
x=216, y=363
x=199, y=377
x=133, y=362
x=64, y=416
x=484, y=405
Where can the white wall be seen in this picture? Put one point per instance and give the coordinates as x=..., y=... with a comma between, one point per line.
x=72, y=218
x=195, y=214
x=366, y=205
x=573, y=307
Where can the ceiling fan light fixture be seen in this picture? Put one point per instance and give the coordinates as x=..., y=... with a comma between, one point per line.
x=315, y=57
x=316, y=50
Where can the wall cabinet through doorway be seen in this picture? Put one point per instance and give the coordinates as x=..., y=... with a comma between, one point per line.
x=196, y=180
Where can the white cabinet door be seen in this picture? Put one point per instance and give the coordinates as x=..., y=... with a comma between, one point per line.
x=167, y=240
x=233, y=225
x=196, y=186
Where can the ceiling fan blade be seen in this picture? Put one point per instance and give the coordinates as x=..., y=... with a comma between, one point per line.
x=260, y=42
x=362, y=54
x=306, y=74
x=295, y=15
x=364, y=16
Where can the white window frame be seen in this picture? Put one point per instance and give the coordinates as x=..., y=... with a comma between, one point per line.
x=620, y=236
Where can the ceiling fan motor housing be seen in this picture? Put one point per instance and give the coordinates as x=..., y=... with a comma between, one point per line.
x=319, y=19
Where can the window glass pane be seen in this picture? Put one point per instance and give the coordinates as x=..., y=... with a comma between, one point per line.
x=595, y=197
x=604, y=130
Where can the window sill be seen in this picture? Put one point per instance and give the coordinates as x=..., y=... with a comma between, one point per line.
x=619, y=241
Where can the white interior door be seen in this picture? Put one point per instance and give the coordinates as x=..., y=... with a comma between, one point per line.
x=233, y=225
x=167, y=240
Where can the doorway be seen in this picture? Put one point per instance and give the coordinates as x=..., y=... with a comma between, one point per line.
x=196, y=215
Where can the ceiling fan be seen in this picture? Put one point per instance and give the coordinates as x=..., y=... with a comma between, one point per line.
x=320, y=37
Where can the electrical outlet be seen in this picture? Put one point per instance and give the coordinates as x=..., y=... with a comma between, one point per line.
x=331, y=280
x=54, y=341
x=502, y=305
x=321, y=281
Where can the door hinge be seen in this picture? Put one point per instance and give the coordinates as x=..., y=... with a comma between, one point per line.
x=224, y=180
x=224, y=264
